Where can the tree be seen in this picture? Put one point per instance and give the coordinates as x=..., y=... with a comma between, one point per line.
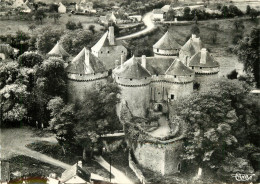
x=53, y=8
x=195, y=30
x=92, y=28
x=71, y=25
x=74, y=41
x=170, y=15
x=238, y=24
x=55, y=16
x=219, y=123
x=214, y=37
x=40, y=15
x=253, y=14
x=248, y=10
x=47, y=39
x=7, y=14
x=186, y=14
x=13, y=92
x=96, y=115
x=225, y=11
x=32, y=27
x=30, y=59
x=248, y=53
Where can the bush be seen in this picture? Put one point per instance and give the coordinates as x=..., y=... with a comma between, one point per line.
x=232, y=75
x=73, y=26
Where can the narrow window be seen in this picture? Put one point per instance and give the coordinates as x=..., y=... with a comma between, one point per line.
x=131, y=79
x=193, y=67
x=145, y=78
x=101, y=52
x=108, y=51
x=200, y=67
x=117, y=77
x=157, y=50
x=174, y=76
x=179, y=167
x=172, y=97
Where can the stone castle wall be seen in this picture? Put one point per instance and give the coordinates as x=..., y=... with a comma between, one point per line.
x=136, y=93
x=161, y=158
x=79, y=84
x=163, y=53
x=204, y=80
x=110, y=54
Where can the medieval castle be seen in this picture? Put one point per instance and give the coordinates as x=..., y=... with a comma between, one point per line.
x=147, y=84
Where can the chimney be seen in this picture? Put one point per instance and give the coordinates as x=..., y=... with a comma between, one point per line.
x=111, y=35
x=80, y=164
x=117, y=63
x=122, y=59
x=86, y=56
x=203, y=56
x=193, y=36
x=143, y=61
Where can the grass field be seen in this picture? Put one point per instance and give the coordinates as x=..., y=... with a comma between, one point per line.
x=11, y=26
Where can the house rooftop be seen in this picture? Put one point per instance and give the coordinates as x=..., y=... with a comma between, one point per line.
x=85, y=63
x=75, y=170
x=192, y=46
x=209, y=60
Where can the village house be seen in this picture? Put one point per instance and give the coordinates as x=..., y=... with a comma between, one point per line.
x=85, y=7
x=158, y=14
x=62, y=8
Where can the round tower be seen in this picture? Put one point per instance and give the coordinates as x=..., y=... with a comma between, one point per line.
x=166, y=46
x=84, y=73
x=205, y=67
x=179, y=80
x=134, y=81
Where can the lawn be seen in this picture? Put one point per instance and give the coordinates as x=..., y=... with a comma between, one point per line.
x=31, y=167
x=11, y=26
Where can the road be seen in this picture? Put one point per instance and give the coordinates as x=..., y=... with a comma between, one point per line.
x=119, y=177
x=147, y=19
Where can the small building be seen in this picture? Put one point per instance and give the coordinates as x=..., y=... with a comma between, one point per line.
x=85, y=6
x=84, y=73
x=158, y=14
x=165, y=8
x=62, y=8
x=206, y=68
x=191, y=47
x=167, y=46
x=76, y=174
x=58, y=51
x=108, y=49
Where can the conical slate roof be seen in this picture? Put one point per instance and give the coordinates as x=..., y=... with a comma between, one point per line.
x=102, y=42
x=178, y=68
x=85, y=63
x=210, y=62
x=132, y=69
x=192, y=46
x=58, y=50
x=167, y=42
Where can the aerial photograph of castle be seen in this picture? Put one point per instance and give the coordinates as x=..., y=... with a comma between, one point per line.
x=129, y=91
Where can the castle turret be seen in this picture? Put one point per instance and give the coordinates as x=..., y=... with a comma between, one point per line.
x=167, y=46
x=191, y=47
x=134, y=81
x=205, y=67
x=58, y=50
x=179, y=80
x=84, y=72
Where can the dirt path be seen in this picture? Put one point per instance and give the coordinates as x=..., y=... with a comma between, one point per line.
x=120, y=177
